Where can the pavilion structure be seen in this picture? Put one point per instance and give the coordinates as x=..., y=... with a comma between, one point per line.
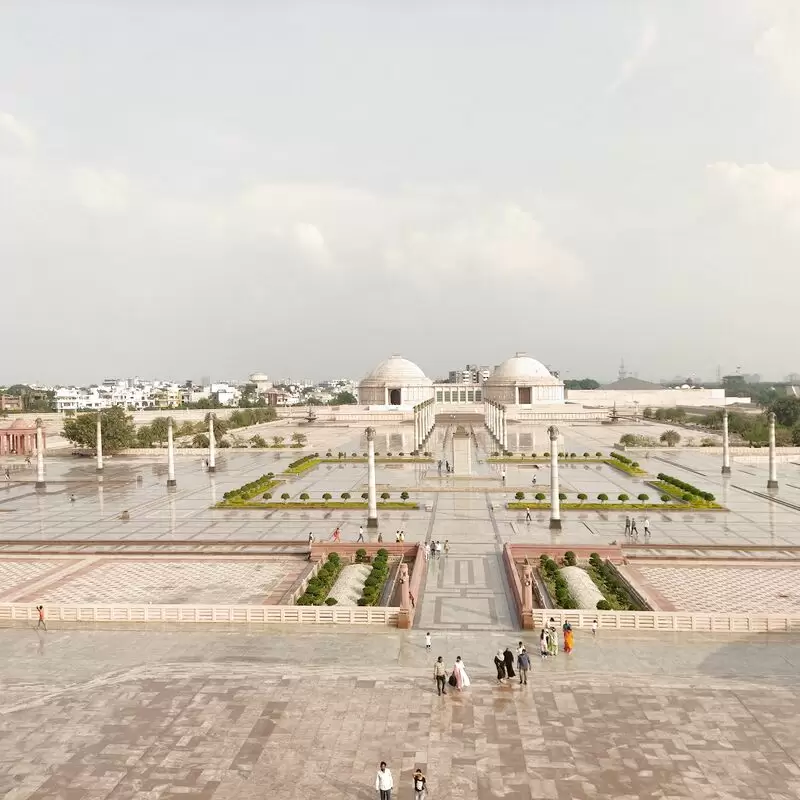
x=19, y=438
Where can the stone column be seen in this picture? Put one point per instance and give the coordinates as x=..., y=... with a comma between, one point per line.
x=170, y=455
x=505, y=428
x=40, y=484
x=772, y=483
x=726, y=451
x=212, y=445
x=372, y=503
x=555, y=502
x=99, y=445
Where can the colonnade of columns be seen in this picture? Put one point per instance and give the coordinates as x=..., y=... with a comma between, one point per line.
x=772, y=480
x=424, y=420
x=495, y=418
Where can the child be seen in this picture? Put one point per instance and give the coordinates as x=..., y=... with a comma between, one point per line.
x=427, y=641
x=594, y=628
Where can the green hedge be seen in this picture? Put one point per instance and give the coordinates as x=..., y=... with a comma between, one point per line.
x=616, y=593
x=373, y=586
x=686, y=487
x=318, y=587
x=556, y=584
x=250, y=490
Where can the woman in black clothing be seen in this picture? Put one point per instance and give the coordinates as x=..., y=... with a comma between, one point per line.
x=508, y=657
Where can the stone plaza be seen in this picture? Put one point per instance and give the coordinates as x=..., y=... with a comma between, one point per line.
x=239, y=711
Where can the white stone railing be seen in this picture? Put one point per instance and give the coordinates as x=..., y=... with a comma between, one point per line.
x=194, y=614
x=671, y=621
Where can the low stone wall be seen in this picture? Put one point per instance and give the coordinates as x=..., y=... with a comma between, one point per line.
x=532, y=552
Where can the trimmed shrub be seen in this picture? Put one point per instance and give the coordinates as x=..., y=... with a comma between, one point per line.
x=570, y=559
x=331, y=601
x=603, y=605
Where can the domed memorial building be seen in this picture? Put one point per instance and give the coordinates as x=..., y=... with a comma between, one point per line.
x=395, y=382
x=523, y=381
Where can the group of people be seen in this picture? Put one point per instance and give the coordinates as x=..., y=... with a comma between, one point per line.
x=434, y=549
x=504, y=664
x=457, y=678
x=632, y=532
x=384, y=783
x=447, y=466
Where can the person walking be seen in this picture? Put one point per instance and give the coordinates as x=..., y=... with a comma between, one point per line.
x=360, y=533
x=427, y=550
x=310, y=538
x=440, y=676
x=523, y=665
x=402, y=536
x=428, y=641
x=440, y=467
x=438, y=548
x=553, y=638
x=646, y=526
x=420, y=784
x=533, y=482
x=508, y=657
x=569, y=641
x=446, y=546
x=384, y=783
x=527, y=515
x=627, y=527
x=460, y=673
x=594, y=628
x=634, y=531
x=380, y=537
x=503, y=477
x=7, y=474
x=500, y=666
x=41, y=623
x=337, y=535
x=544, y=644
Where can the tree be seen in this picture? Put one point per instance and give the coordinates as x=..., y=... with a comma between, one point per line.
x=277, y=441
x=665, y=498
x=623, y=498
x=200, y=440
x=519, y=496
x=385, y=496
x=304, y=496
x=796, y=435
x=562, y=496
x=326, y=496
x=539, y=496
x=643, y=498
x=648, y=413
x=786, y=410
x=285, y=496
x=365, y=495
x=582, y=497
x=267, y=496
x=344, y=399
x=602, y=497
x=159, y=427
x=346, y=496
x=258, y=441
x=119, y=431
x=299, y=439
x=404, y=496
x=670, y=438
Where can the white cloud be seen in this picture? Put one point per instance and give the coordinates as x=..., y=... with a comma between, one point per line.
x=101, y=191
x=648, y=36
x=13, y=130
x=421, y=233
x=760, y=190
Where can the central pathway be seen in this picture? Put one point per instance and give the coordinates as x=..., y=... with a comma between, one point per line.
x=466, y=589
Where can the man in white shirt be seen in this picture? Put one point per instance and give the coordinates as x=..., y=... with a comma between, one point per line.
x=383, y=782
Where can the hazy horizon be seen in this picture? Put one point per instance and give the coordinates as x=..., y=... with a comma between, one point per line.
x=305, y=189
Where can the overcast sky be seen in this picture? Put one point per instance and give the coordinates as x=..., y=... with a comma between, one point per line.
x=212, y=188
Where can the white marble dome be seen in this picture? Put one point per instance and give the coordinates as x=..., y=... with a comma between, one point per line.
x=395, y=382
x=523, y=381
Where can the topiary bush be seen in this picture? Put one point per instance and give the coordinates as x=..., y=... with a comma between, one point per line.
x=603, y=605
x=570, y=559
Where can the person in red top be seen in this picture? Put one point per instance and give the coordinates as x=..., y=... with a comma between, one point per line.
x=336, y=535
x=41, y=623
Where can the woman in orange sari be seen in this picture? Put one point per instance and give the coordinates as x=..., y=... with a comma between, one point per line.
x=568, y=640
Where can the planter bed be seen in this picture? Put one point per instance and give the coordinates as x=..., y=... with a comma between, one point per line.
x=522, y=505
x=294, y=505
x=698, y=504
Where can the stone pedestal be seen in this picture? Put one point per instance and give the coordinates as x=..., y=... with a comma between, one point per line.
x=527, y=598
x=372, y=502
x=462, y=452
x=406, y=615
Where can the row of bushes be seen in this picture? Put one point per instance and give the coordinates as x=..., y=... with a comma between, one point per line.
x=510, y=454
x=556, y=584
x=328, y=496
x=616, y=593
x=318, y=587
x=582, y=497
x=373, y=586
x=624, y=459
x=250, y=490
x=687, y=488
x=343, y=454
